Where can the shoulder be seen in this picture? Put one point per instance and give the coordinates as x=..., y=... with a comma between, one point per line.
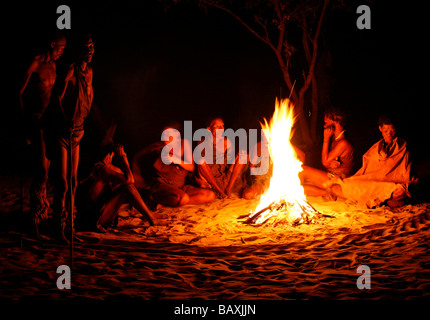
x=34, y=64
x=185, y=142
x=99, y=165
x=374, y=148
x=89, y=70
x=401, y=143
x=343, y=145
x=376, y=144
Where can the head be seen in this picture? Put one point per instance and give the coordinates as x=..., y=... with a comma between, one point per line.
x=216, y=127
x=387, y=128
x=171, y=132
x=106, y=152
x=57, y=46
x=85, y=48
x=334, y=117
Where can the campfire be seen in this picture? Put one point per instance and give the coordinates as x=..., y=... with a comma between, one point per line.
x=284, y=202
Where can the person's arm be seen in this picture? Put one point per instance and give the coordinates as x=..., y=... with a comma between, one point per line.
x=187, y=163
x=328, y=132
x=330, y=159
x=300, y=154
x=128, y=174
x=66, y=81
x=206, y=173
x=32, y=68
x=174, y=158
x=112, y=174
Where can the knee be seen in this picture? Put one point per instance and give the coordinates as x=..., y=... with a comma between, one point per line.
x=399, y=194
x=182, y=199
x=337, y=191
x=248, y=194
x=74, y=183
x=209, y=195
x=398, y=198
x=177, y=199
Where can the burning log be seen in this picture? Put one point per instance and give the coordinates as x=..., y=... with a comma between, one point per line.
x=284, y=211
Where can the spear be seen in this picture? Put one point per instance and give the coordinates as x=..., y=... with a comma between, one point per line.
x=71, y=196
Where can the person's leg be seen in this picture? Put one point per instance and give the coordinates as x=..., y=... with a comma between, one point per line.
x=206, y=172
x=313, y=191
x=74, y=171
x=168, y=195
x=199, y=195
x=110, y=209
x=38, y=200
x=336, y=190
x=61, y=187
x=315, y=177
x=133, y=196
x=398, y=198
x=236, y=170
x=252, y=192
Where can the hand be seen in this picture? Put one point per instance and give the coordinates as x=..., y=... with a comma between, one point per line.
x=334, y=164
x=70, y=73
x=168, y=158
x=222, y=195
x=328, y=132
x=120, y=151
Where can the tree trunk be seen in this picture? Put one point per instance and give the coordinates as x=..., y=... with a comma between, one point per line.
x=314, y=110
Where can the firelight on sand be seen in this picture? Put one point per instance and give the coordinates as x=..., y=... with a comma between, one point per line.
x=284, y=200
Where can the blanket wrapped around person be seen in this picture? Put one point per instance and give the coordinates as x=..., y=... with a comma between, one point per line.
x=386, y=169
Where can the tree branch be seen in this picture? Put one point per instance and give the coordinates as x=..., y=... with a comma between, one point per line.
x=281, y=26
x=264, y=26
x=266, y=40
x=315, y=50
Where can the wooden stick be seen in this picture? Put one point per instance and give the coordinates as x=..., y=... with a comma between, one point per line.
x=71, y=197
x=252, y=219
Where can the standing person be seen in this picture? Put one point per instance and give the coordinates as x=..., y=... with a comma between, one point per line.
x=67, y=124
x=337, y=156
x=385, y=175
x=34, y=97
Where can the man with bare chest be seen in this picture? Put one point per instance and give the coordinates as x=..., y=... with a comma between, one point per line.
x=69, y=111
x=35, y=95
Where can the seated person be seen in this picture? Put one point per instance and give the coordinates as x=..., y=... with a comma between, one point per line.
x=257, y=184
x=220, y=173
x=337, y=156
x=101, y=195
x=170, y=171
x=385, y=175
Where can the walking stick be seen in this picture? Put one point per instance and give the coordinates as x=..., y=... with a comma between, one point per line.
x=21, y=194
x=71, y=195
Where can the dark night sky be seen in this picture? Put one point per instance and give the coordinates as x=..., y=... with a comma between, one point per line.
x=151, y=67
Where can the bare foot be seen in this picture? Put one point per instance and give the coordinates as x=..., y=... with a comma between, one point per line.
x=158, y=216
x=101, y=228
x=159, y=223
x=228, y=192
x=40, y=236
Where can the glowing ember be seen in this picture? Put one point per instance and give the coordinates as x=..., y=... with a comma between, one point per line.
x=285, y=200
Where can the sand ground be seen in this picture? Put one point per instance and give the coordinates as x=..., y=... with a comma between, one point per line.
x=205, y=252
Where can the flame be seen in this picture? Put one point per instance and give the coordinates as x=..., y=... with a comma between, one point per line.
x=285, y=195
